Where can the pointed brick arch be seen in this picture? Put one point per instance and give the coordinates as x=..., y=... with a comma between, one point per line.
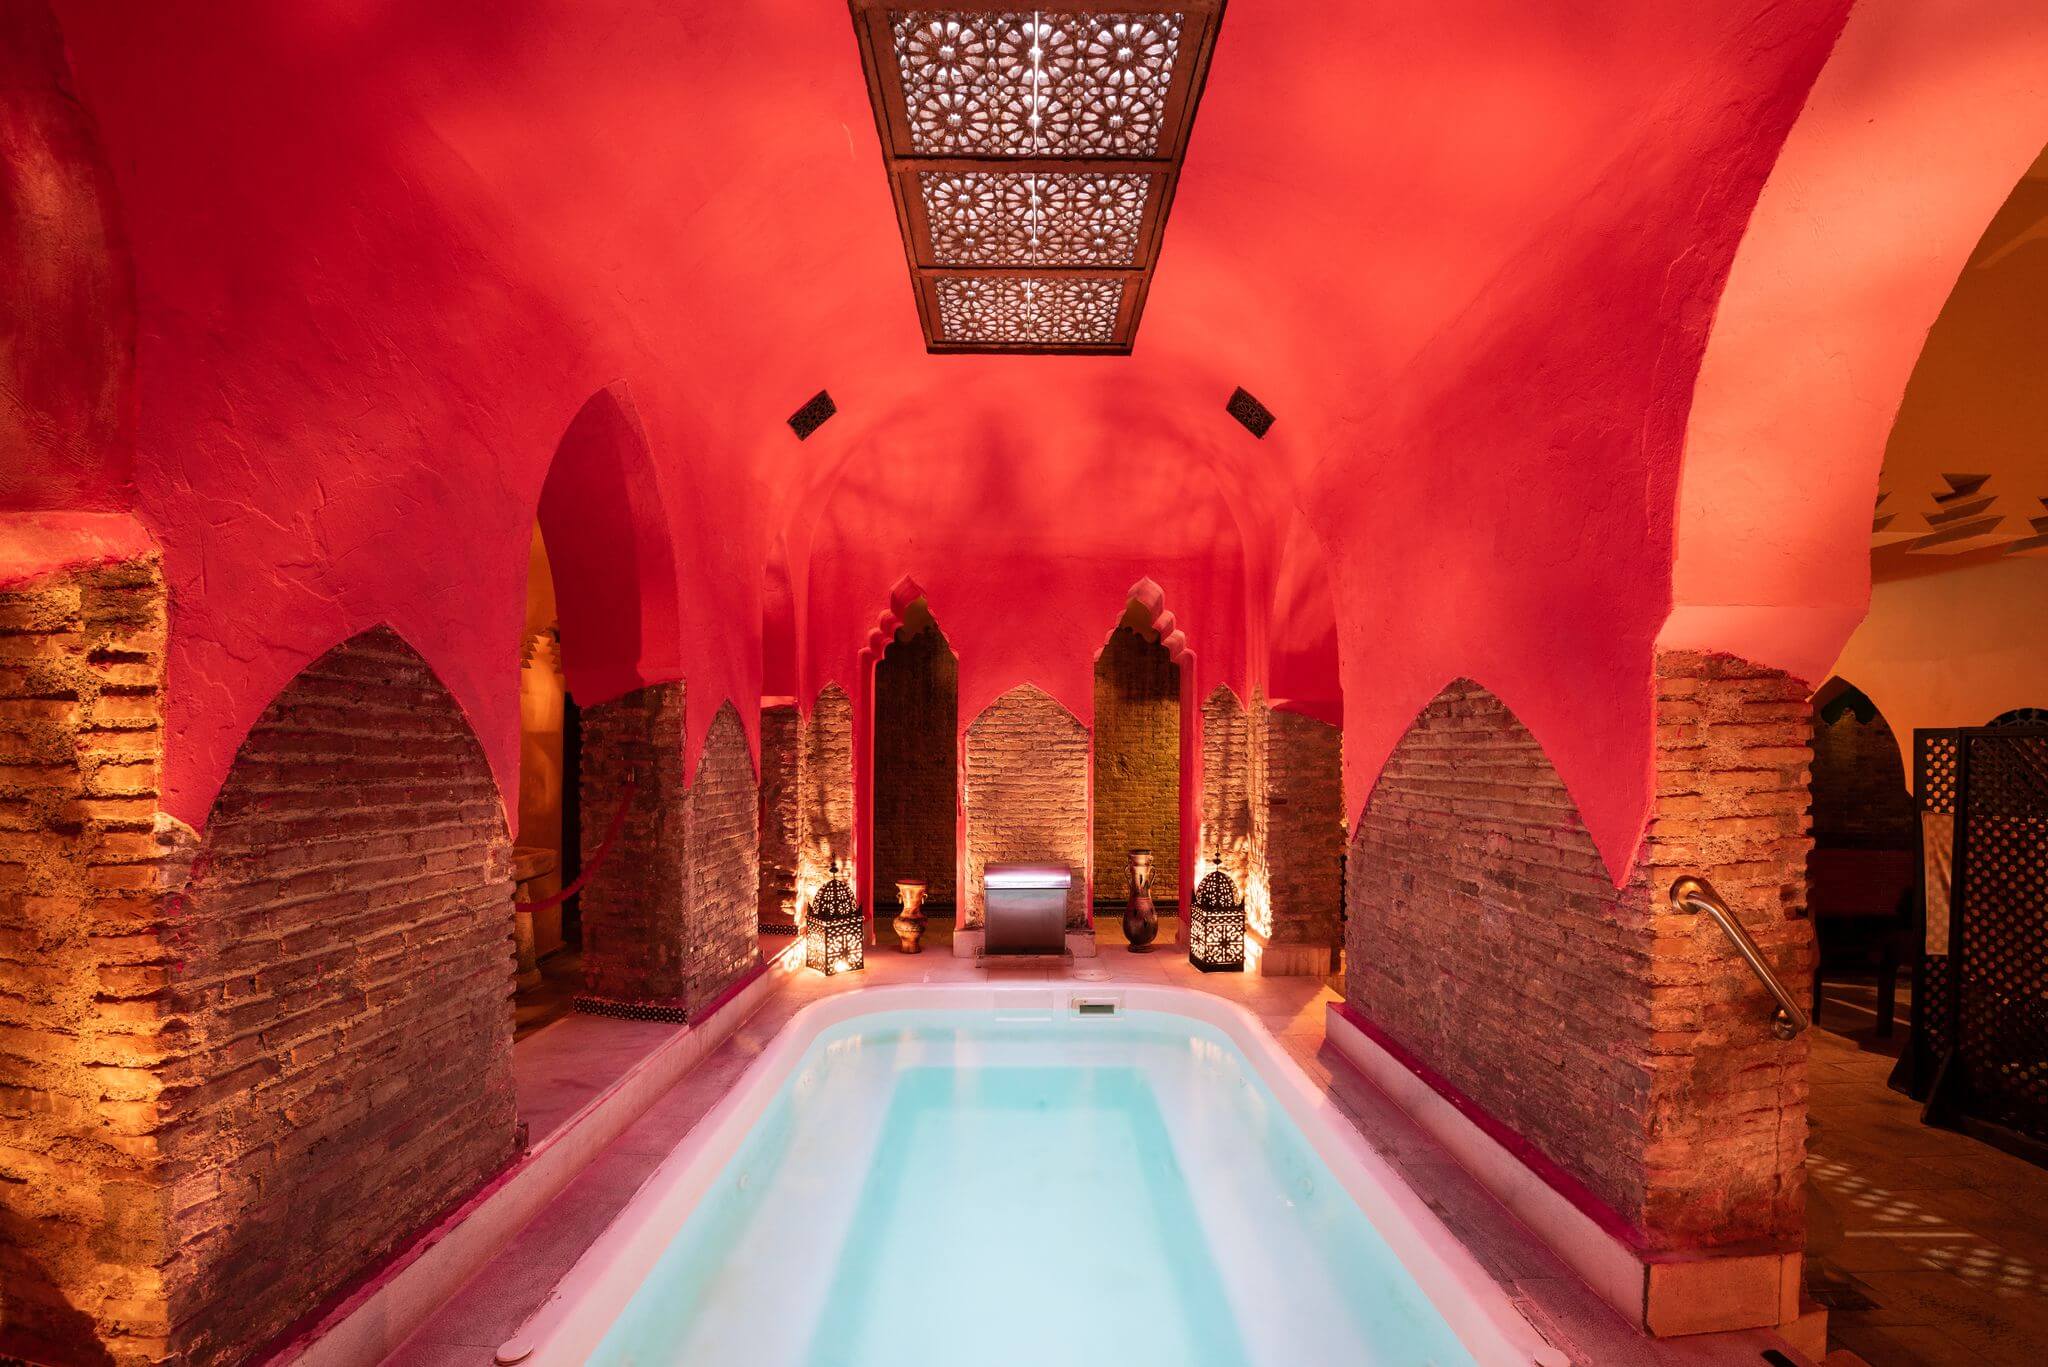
x=1594, y=1031
x=340, y=983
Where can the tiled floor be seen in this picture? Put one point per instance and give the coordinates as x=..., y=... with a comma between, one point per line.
x=491, y=1307
x=1929, y=1247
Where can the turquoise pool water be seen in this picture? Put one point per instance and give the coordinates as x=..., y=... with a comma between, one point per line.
x=960, y=1188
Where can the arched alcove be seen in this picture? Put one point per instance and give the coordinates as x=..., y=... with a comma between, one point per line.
x=1136, y=760
x=1024, y=798
x=916, y=762
x=609, y=547
x=1859, y=787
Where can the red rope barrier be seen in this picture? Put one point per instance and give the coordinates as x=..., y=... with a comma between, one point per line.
x=611, y=834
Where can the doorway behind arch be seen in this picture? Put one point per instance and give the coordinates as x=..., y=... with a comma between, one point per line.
x=550, y=828
x=916, y=773
x=1137, y=771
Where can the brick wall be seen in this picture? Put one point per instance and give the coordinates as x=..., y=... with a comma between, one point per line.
x=1859, y=786
x=780, y=739
x=721, y=817
x=85, y=856
x=917, y=711
x=1304, y=840
x=1137, y=764
x=825, y=791
x=1625, y=1040
x=342, y=1071
x=1026, y=794
x=635, y=905
x=1229, y=792
x=669, y=916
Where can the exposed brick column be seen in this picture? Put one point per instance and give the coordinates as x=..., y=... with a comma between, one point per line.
x=1626, y=1041
x=1025, y=790
x=86, y=1191
x=1727, y=1114
x=721, y=814
x=1229, y=794
x=825, y=788
x=1304, y=843
x=636, y=902
x=781, y=738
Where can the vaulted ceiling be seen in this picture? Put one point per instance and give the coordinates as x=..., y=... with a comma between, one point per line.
x=383, y=254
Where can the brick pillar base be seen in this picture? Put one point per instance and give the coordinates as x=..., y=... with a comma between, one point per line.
x=1304, y=842
x=669, y=914
x=635, y=902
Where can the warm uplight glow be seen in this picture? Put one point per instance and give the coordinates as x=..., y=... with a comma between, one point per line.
x=1105, y=99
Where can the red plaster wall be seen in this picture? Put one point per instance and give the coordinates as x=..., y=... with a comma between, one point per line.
x=67, y=289
x=364, y=325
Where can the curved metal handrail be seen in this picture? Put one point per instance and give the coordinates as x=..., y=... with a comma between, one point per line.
x=1693, y=893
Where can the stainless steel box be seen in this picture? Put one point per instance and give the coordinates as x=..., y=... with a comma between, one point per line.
x=1026, y=908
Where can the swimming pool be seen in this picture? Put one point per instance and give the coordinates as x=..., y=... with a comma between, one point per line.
x=1029, y=1175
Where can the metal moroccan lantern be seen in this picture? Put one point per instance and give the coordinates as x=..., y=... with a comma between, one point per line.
x=835, y=936
x=1216, y=926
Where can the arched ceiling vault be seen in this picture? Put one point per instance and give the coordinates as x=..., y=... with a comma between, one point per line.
x=1469, y=254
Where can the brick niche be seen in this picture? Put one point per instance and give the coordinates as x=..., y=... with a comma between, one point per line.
x=781, y=735
x=824, y=791
x=669, y=915
x=1626, y=1041
x=1231, y=789
x=1026, y=794
x=1137, y=764
x=916, y=769
x=1859, y=786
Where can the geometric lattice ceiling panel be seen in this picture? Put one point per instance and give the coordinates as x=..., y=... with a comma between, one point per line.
x=1033, y=154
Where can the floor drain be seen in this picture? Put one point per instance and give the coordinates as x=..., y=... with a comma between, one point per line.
x=1092, y=975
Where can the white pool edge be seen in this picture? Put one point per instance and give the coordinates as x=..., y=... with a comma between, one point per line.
x=584, y=1305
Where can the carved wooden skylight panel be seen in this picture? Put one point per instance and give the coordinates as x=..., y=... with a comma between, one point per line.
x=1075, y=311
x=1027, y=218
x=1033, y=153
